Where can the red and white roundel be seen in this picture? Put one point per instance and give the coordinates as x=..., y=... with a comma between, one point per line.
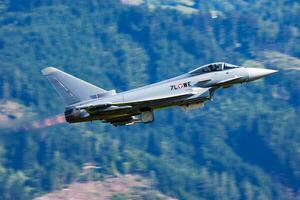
x=180, y=85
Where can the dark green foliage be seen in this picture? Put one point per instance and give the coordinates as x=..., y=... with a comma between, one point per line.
x=244, y=145
x=153, y=146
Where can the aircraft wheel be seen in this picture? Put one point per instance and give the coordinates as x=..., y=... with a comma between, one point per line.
x=147, y=116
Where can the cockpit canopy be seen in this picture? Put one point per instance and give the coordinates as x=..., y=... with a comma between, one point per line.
x=212, y=67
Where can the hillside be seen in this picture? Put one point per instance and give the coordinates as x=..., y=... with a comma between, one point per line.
x=245, y=144
x=121, y=187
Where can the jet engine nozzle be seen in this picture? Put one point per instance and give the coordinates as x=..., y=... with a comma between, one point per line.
x=257, y=73
x=76, y=115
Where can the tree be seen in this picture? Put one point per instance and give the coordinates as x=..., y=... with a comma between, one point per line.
x=153, y=146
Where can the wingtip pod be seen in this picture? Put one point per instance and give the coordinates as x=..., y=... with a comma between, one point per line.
x=49, y=70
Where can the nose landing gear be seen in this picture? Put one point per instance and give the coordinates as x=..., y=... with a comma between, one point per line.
x=211, y=93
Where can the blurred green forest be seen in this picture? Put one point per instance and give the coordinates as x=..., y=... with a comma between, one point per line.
x=243, y=145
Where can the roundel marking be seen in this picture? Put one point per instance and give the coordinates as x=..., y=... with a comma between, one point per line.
x=180, y=85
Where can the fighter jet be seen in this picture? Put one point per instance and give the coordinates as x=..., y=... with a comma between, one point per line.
x=87, y=102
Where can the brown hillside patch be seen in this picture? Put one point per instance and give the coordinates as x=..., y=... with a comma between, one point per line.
x=124, y=185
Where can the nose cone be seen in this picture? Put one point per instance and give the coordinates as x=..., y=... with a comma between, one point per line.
x=257, y=73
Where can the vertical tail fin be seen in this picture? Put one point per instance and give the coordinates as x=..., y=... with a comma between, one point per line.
x=70, y=88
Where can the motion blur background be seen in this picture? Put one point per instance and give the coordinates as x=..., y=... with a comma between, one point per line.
x=243, y=145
